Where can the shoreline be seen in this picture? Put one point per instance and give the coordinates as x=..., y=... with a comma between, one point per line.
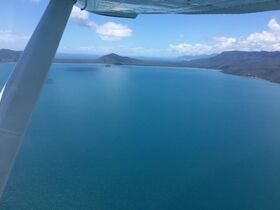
x=163, y=65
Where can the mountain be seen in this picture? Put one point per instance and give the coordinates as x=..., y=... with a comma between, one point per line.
x=195, y=57
x=9, y=55
x=264, y=65
x=117, y=60
x=122, y=60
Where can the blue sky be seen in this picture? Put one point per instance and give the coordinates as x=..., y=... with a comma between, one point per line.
x=147, y=35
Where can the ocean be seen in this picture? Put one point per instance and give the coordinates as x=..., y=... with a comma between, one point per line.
x=148, y=138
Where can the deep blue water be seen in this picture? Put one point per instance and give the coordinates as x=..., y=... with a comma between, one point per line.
x=137, y=138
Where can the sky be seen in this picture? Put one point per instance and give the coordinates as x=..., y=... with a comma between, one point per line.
x=147, y=35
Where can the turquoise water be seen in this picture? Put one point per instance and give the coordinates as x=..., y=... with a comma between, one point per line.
x=149, y=138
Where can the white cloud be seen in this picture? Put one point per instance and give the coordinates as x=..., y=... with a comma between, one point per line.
x=113, y=31
x=261, y=37
x=81, y=17
x=225, y=42
x=10, y=36
x=109, y=31
x=270, y=36
x=266, y=40
x=273, y=25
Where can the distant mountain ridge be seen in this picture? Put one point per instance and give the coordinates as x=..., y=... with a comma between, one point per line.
x=7, y=55
x=264, y=65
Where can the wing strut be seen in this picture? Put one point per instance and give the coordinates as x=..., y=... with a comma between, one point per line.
x=20, y=93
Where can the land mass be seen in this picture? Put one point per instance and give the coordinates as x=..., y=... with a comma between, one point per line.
x=9, y=55
x=263, y=65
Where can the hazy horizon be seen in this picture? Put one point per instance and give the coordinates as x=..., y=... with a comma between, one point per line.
x=93, y=55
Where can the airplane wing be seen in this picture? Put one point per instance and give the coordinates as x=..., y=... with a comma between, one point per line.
x=131, y=8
